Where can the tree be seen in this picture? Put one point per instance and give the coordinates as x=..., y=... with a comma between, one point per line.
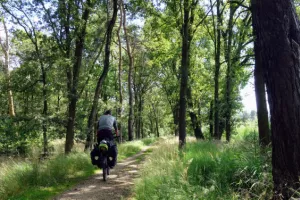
x=184, y=70
x=217, y=44
x=277, y=40
x=237, y=55
x=120, y=108
x=229, y=71
x=6, y=50
x=261, y=102
x=130, y=75
x=68, y=21
x=101, y=79
x=21, y=14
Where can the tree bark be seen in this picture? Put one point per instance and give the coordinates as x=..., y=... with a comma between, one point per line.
x=130, y=72
x=261, y=103
x=140, y=116
x=156, y=119
x=229, y=71
x=276, y=27
x=136, y=111
x=211, y=123
x=142, y=129
x=45, y=111
x=185, y=53
x=120, y=108
x=91, y=120
x=217, y=134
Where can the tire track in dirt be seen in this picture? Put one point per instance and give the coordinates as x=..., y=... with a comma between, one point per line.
x=118, y=185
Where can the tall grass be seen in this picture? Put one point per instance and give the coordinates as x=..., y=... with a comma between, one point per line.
x=204, y=170
x=35, y=179
x=18, y=177
x=130, y=148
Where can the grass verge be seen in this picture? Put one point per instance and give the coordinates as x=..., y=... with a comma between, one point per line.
x=24, y=180
x=131, y=148
x=205, y=170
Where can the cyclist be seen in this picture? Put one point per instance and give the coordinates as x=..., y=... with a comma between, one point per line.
x=106, y=125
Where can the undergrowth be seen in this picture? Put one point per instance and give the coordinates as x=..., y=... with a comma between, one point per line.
x=130, y=148
x=17, y=177
x=43, y=179
x=205, y=170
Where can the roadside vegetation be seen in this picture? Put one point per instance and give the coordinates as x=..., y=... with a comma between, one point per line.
x=207, y=170
x=33, y=178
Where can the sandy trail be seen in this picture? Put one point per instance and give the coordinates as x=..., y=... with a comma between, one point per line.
x=118, y=186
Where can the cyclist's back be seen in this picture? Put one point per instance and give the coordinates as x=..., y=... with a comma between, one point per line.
x=106, y=125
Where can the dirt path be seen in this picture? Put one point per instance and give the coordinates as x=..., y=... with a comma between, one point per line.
x=118, y=186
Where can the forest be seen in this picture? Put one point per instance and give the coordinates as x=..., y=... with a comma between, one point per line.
x=166, y=69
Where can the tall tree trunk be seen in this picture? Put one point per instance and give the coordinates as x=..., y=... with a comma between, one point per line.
x=211, y=123
x=91, y=120
x=195, y=123
x=217, y=134
x=44, y=93
x=58, y=101
x=130, y=73
x=120, y=108
x=73, y=80
x=277, y=44
x=136, y=116
x=45, y=111
x=184, y=69
x=229, y=72
x=151, y=124
x=142, y=130
x=5, y=49
x=156, y=119
x=138, y=121
x=261, y=103
x=141, y=103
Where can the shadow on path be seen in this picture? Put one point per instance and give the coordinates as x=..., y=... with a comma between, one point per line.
x=117, y=186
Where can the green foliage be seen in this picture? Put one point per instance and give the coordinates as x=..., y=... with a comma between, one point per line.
x=17, y=135
x=205, y=170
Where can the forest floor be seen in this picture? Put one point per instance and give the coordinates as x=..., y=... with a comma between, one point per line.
x=118, y=185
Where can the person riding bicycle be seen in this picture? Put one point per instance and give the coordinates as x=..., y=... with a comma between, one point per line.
x=106, y=124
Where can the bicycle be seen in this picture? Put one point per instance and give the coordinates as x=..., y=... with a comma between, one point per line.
x=103, y=159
